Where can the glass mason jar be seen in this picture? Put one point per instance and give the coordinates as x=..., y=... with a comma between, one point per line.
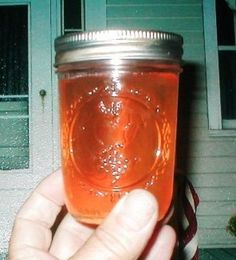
x=118, y=114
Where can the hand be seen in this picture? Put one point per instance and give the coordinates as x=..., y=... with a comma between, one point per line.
x=124, y=234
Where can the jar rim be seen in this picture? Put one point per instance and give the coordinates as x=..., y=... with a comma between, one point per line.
x=109, y=44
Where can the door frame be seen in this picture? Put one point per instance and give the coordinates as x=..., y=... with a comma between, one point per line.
x=15, y=185
x=43, y=135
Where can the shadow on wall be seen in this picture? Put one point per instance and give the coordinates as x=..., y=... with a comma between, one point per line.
x=189, y=82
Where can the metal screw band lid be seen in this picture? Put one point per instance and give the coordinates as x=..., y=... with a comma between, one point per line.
x=122, y=44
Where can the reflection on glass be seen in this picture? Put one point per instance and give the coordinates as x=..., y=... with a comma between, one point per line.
x=227, y=63
x=14, y=119
x=13, y=51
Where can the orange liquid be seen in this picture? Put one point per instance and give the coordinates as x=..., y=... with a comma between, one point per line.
x=118, y=132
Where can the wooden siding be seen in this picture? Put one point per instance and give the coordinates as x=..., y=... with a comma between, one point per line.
x=209, y=162
x=218, y=254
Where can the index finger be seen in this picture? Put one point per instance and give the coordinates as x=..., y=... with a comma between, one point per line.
x=36, y=217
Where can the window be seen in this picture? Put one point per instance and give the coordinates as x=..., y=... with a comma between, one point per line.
x=72, y=16
x=14, y=116
x=220, y=46
x=80, y=15
x=226, y=32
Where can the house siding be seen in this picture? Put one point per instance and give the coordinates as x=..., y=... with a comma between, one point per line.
x=209, y=162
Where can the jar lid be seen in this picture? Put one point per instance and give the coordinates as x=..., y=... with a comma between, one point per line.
x=118, y=44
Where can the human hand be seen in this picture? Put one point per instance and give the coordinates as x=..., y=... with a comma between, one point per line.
x=124, y=234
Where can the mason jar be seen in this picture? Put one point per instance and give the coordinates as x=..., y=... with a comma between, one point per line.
x=118, y=94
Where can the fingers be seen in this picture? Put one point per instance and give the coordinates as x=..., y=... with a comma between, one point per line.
x=163, y=245
x=123, y=235
x=35, y=218
x=70, y=237
x=125, y=232
x=168, y=216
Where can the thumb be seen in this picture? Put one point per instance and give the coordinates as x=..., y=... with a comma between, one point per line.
x=125, y=232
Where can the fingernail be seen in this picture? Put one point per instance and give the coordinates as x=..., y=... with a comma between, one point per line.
x=138, y=208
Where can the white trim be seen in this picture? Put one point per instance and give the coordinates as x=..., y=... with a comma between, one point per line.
x=82, y=15
x=14, y=2
x=56, y=23
x=217, y=126
x=13, y=96
x=229, y=124
x=226, y=48
x=14, y=116
x=212, y=66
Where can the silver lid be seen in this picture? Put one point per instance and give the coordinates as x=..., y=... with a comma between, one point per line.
x=118, y=44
